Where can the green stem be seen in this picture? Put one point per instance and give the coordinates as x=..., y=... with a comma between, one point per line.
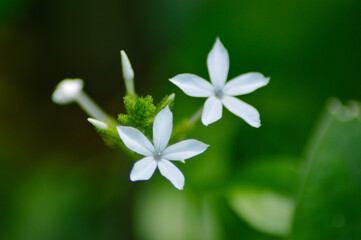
x=92, y=109
x=196, y=116
x=185, y=126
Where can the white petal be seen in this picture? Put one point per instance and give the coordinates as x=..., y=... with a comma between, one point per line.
x=143, y=169
x=172, y=173
x=135, y=140
x=212, y=110
x=243, y=110
x=162, y=129
x=218, y=64
x=245, y=83
x=193, y=85
x=184, y=150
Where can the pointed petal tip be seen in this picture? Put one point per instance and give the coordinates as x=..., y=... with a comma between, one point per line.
x=206, y=123
x=256, y=125
x=267, y=80
x=180, y=188
x=218, y=41
x=218, y=64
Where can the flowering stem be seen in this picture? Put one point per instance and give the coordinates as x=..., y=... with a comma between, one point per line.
x=166, y=102
x=196, y=116
x=92, y=109
x=182, y=128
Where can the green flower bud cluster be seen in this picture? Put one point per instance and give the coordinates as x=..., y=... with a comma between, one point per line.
x=141, y=111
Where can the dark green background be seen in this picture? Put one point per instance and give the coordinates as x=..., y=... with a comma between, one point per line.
x=59, y=181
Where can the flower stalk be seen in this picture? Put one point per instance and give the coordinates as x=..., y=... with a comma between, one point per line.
x=71, y=90
x=91, y=108
x=196, y=117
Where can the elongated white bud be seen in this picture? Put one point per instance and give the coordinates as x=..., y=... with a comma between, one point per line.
x=67, y=91
x=128, y=73
x=71, y=90
x=98, y=124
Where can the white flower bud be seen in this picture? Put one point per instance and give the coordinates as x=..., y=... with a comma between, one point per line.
x=67, y=91
x=128, y=73
x=98, y=124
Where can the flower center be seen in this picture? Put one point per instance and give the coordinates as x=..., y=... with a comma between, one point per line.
x=219, y=93
x=157, y=155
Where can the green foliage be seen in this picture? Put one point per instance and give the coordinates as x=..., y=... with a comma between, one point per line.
x=174, y=215
x=263, y=194
x=264, y=210
x=329, y=203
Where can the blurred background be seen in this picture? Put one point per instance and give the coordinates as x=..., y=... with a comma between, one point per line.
x=296, y=177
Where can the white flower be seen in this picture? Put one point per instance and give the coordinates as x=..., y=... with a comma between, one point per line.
x=220, y=93
x=158, y=154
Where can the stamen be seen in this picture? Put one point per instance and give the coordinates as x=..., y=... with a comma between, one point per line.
x=219, y=93
x=158, y=156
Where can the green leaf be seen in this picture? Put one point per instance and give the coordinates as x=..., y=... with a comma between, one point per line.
x=263, y=194
x=329, y=202
x=264, y=210
x=162, y=213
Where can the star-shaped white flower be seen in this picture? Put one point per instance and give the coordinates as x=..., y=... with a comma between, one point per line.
x=158, y=154
x=220, y=93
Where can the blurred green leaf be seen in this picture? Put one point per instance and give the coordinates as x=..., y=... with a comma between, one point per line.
x=265, y=210
x=162, y=213
x=263, y=195
x=329, y=203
